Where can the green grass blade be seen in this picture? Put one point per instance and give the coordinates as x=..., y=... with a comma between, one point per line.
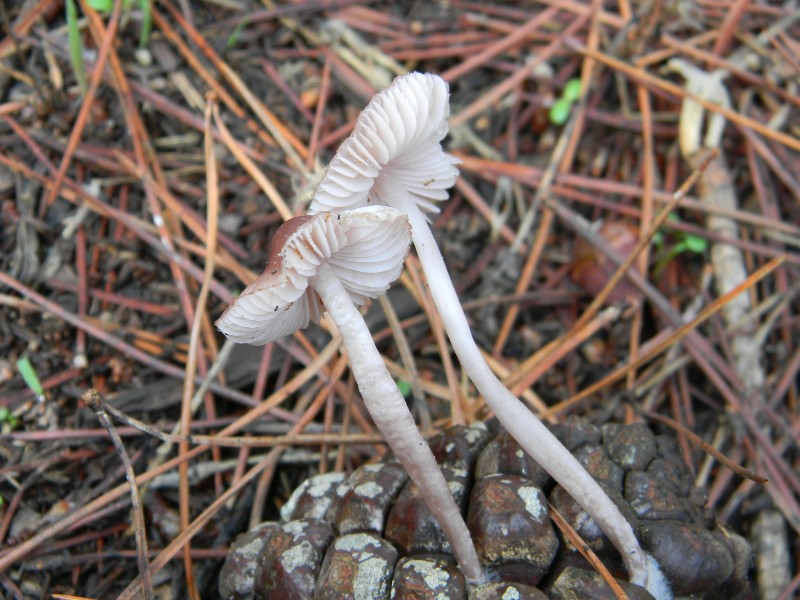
x=29, y=375
x=75, y=46
x=147, y=22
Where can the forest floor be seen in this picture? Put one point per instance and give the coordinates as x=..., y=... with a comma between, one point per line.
x=588, y=132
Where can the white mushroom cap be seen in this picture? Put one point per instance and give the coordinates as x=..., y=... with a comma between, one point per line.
x=396, y=143
x=364, y=247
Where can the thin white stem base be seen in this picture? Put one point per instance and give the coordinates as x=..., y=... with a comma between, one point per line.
x=520, y=422
x=391, y=415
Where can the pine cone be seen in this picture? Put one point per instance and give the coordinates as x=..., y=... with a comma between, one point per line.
x=369, y=535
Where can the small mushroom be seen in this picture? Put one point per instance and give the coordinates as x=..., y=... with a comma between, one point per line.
x=394, y=158
x=339, y=260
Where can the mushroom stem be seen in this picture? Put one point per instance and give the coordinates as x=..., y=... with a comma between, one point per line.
x=520, y=422
x=391, y=415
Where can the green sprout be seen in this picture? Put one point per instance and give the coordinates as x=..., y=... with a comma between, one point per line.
x=684, y=242
x=75, y=45
x=30, y=377
x=559, y=111
x=147, y=21
x=102, y=6
x=105, y=7
x=233, y=38
x=6, y=416
x=572, y=91
x=404, y=387
x=562, y=107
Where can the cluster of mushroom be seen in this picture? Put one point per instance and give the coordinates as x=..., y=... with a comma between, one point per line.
x=350, y=247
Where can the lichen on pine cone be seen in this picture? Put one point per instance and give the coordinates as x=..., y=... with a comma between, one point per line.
x=370, y=536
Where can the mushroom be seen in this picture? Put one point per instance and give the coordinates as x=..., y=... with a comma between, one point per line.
x=340, y=260
x=394, y=158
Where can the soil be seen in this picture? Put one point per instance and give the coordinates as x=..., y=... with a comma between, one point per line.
x=151, y=149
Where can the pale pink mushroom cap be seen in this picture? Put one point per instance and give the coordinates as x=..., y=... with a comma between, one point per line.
x=396, y=143
x=364, y=247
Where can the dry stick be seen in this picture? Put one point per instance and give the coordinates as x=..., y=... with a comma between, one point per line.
x=12, y=555
x=175, y=258
x=561, y=157
x=424, y=298
x=93, y=401
x=212, y=187
x=11, y=587
x=430, y=388
x=355, y=83
x=183, y=115
x=687, y=48
x=716, y=188
x=646, y=217
x=729, y=269
x=247, y=163
x=782, y=172
x=327, y=425
x=257, y=394
x=704, y=471
x=79, y=359
x=319, y=115
x=268, y=441
x=407, y=358
x=697, y=440
x=672, y=362
x=525, y=278
x=393, y=29
x=348, y=412
x=109, y=37
x=8, y=108
x=369, y=61
x=587, y=553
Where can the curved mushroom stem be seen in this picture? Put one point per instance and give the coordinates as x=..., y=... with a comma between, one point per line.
x=392, y=417
x=520, y=422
